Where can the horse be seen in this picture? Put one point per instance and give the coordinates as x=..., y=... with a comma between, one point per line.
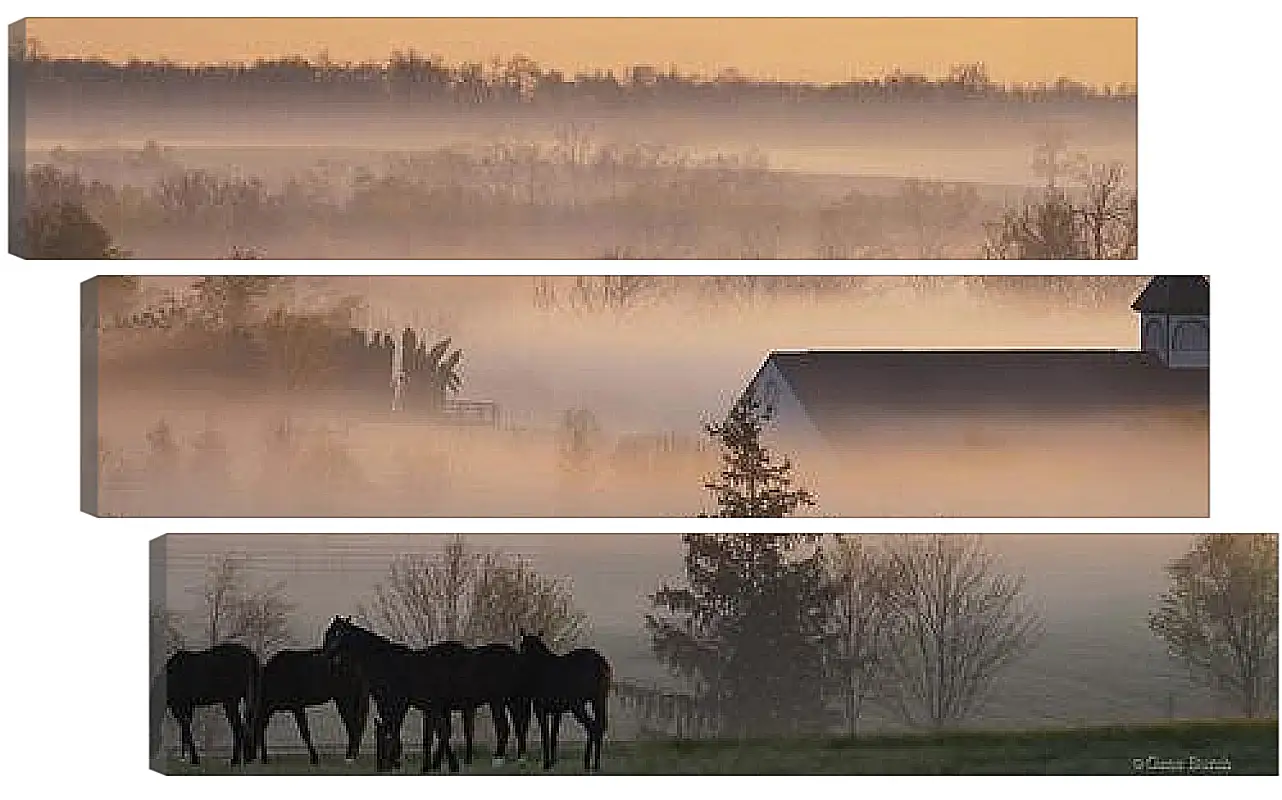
x=296, y=679
x=570, y=682
x=491, y=676
x=401, y=678
x=494, y=679
x=226, y=673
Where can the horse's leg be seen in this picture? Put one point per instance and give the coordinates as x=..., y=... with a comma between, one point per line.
x=520, y=710
x=300, y=718
x=232, y=709
x=498, y=713
x=545, y=736
x=469, y=728
x=260, y=733
x=580, y=712
x=354, y=719
x=348, y=714
x=556, y=734
x=599, y=712
x=184, y=716
x=442, y=724
x=445, y=742
x=394, y=722
x=430, y=728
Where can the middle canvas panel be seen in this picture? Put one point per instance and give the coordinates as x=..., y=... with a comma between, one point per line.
x=646, y=396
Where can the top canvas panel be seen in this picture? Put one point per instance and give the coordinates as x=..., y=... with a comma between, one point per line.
x=574, y=138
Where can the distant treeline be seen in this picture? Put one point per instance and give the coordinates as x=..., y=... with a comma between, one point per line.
x=413, y=76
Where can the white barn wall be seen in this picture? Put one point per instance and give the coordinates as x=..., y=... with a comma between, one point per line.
x=789, y=423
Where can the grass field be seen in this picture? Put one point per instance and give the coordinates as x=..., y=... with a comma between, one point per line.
x=1238, y=748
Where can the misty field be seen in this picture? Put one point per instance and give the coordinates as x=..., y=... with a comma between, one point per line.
x=1251, y=748
x=195, y=163
x=650, y=362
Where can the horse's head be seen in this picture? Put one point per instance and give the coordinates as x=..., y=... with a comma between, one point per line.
x=337, y=635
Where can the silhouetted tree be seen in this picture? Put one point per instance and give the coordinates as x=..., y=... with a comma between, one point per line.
x=162, y=449
x=1219, y=618
x=579, y=435
x=228, y=302
x=752, y=482
x=749, y=629
x=861, y=618
x=957, y=621
x=62, y=231
x=1098, y=221
x=235, y=609
x=117, y=296
x=166, y=635
x=474, y=597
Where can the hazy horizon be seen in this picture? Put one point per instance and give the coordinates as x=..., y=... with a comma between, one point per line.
x=537, y=139
x=1098, y=51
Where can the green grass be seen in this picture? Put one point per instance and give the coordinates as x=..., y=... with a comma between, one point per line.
x=1250, y=747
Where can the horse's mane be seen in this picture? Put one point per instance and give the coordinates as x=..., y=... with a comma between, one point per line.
x=535, y=643
x=370, y=635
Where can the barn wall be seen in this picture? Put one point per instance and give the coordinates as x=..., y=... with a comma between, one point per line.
x=789, y=422
x=1190, y=343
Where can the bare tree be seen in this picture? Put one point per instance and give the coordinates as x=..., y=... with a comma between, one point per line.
x=166, y=636
x=1219, y=617
x=1098, y=219
x=956, y=622
x=861, y=618
x=1109, y=213
x=473, y=597
x=234, y=609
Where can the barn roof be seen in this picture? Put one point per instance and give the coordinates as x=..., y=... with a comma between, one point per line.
x=830, y=384
x=1175, y=294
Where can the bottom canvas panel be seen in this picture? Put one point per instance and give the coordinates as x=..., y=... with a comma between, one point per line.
x=714, y=654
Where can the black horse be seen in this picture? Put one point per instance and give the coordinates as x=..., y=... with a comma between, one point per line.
x=569, y=682
x=296, y=679
x=401, y=678
x=493, y=678
x=229, y=674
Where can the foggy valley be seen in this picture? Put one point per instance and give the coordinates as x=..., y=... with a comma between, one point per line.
x=417, y=158
x=182, y=431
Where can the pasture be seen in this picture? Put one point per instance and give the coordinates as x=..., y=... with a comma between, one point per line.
x=1250, y=748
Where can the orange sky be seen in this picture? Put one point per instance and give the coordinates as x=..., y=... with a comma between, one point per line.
x=1093, y=50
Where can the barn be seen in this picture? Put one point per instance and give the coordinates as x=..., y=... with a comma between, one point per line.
x=828, y=396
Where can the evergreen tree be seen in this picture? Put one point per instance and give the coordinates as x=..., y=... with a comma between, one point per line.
x=749, y=629
x=752, y=481
x=750, y=626
x=62, y=230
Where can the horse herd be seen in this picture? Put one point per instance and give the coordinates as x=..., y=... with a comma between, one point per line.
x=355, y=665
